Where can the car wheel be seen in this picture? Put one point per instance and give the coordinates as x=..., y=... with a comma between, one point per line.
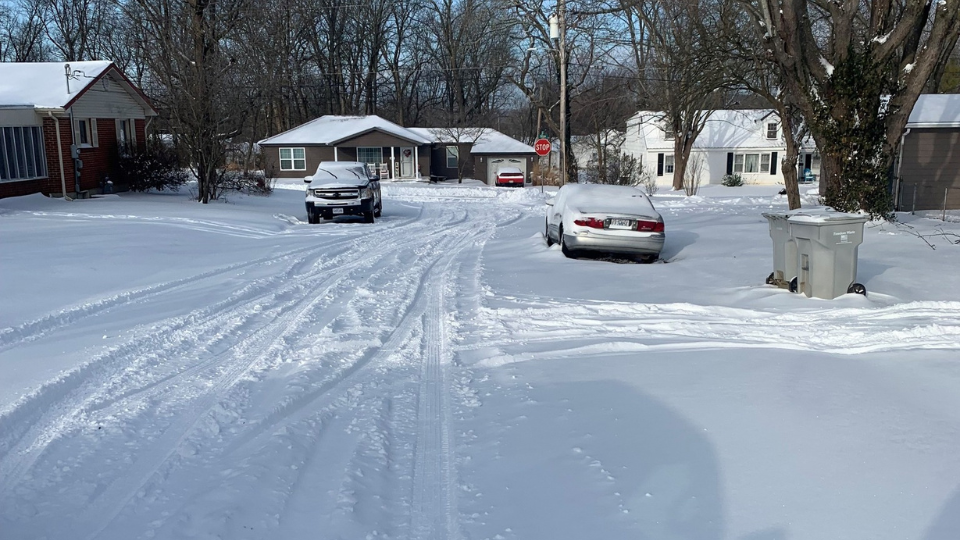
x=378, y=211
x=563, y=247
x=546, y=233
x=648, y=259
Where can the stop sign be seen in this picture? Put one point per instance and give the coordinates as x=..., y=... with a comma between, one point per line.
x=542, y=147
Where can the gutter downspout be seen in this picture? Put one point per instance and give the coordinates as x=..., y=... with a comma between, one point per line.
x=73, y=137
x=63, y=178
x=896, y=188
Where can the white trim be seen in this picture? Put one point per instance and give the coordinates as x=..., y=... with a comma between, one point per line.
x=335, y=154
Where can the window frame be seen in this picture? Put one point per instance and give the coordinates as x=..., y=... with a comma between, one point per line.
x=379, y=153
x=668, y=133
x=23, y=155
x=669, y=163
x=741, y=161
x=773, y=129
x=293, y=159
x=86, y=128
x=453, y=152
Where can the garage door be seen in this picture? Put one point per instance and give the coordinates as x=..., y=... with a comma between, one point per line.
x=506, y=161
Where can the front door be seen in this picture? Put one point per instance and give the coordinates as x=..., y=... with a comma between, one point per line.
x=406, y=162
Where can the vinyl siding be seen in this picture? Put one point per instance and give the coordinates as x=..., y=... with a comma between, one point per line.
x=930, y=164
x=107, y=99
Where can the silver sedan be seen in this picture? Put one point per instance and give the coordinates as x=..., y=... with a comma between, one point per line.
x=603, y=218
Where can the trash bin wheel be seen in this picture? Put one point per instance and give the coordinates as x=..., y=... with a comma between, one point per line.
x=770, y=279
x=793, y=285
x=857, y=288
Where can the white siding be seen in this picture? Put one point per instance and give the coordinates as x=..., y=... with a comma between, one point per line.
x=107, y=99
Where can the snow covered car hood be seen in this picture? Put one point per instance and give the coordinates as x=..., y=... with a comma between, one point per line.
x=346, y=176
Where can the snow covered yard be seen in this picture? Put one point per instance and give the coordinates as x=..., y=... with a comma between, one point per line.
x=175, y=371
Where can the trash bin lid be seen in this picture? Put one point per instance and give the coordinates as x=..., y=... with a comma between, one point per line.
x=828, y=217
x=784, y=215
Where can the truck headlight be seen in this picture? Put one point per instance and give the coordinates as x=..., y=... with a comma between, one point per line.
x=366, y=193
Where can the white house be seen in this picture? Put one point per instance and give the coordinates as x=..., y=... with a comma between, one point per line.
x=748, y=142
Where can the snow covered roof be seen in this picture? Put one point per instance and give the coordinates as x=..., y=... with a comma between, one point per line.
x=935, y=110
x=43, y=85
x=330, y=130
x=485, y=140
x=724, y=129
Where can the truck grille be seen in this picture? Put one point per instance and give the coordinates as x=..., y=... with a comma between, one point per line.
x=337, y=194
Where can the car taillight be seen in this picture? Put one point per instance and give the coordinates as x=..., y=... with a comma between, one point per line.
x=589, y=222
x=650, y=226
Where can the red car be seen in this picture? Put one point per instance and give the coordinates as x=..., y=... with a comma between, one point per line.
x=510, y=177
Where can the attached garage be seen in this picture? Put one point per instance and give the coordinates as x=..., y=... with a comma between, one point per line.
x=496, y=162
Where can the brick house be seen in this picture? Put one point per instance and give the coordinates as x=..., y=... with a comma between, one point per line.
x=62, y=126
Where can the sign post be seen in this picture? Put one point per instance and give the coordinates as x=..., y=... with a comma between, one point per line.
x=542, y=148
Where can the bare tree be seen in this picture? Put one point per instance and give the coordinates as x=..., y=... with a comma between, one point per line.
x=855, y=70
x=22, y=32
x=752, y=69
x=188, y=53
x=684, y=70
x=73, y=26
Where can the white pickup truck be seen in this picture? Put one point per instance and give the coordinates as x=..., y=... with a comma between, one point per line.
x=343, y=188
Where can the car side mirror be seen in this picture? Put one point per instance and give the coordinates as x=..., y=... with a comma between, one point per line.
x=307, y=179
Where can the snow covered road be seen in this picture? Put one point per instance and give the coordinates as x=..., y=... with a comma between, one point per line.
x=172, y=371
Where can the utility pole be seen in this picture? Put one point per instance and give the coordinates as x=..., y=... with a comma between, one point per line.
x=562, y=9
x=558, y=31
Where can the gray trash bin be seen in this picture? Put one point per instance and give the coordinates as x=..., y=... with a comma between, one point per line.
x=827, y=245
x=784, y=249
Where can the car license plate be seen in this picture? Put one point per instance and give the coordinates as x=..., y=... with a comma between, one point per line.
x=338, y=210
x=621, y=224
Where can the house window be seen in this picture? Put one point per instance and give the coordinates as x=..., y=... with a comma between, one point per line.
x=453, y=157
x=126, y=135
x=750, y=163
x=21, y=154
x=668, y=164
x=668, y=133
x=772, y=129
x=293, y=159
x=87, y=132
x=370, y=155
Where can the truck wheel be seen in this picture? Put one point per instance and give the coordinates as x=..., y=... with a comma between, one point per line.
x=313, y=218
x=546, y=234
x=378, y=211
x=368, y=217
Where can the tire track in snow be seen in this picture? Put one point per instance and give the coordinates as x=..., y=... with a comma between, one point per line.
x=45, y=423
x=115, y=497
x=43, y=326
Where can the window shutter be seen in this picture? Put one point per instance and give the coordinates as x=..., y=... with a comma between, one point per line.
x=93, y=130
x=773, y=163
x=132, y=126
x=659, y=164
x=729, y=162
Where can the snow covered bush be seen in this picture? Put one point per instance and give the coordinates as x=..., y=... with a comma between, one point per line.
x=157, y=166
x=732, y=180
